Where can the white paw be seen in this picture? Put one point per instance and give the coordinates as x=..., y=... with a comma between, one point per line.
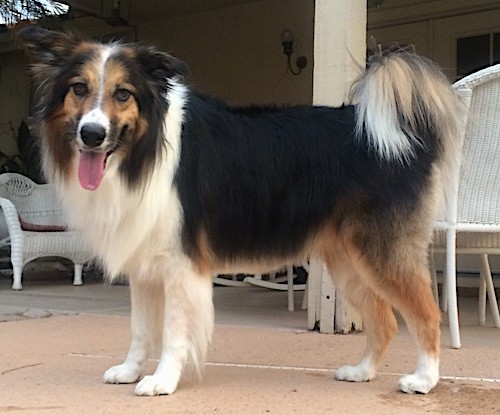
x=157, y=385
x=417, y=383
x=121, y=374
x=358, y=373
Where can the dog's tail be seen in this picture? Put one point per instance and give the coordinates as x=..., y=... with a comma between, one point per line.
x=404, y=102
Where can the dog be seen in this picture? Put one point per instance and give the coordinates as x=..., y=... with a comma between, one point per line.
x=170, y=187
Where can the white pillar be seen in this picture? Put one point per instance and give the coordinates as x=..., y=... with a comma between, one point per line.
x=339, y=48
x=339, y=57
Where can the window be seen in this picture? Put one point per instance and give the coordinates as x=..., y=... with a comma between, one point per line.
x=477, y=52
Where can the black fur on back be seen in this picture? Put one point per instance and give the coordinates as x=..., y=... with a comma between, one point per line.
x=260, y=180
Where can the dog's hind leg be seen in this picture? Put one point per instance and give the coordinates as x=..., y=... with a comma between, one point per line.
x=416, y=303
x=187, y=329
x=404, y=282
x=379, y=322
x=146, y=304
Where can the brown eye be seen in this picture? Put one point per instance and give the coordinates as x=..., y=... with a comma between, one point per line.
x=122, y=94
x=80, y=89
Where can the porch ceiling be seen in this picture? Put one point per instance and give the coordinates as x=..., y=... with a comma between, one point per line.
x=144, y=10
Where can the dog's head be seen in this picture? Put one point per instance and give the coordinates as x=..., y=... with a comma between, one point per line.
x=98, y=102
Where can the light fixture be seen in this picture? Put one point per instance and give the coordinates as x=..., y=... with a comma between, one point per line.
x=287, y=42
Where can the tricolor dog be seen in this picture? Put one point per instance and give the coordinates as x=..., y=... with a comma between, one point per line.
x=170, y=187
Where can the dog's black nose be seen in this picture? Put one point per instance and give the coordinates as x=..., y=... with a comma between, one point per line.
x=92, y=134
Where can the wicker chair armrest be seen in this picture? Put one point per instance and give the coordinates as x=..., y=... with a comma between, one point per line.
x=11, y=217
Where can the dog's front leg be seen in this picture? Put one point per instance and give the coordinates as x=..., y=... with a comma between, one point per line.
x=146, y=303
x=187, y=330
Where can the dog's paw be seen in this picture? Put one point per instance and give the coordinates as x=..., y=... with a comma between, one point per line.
x=157, y=385
x=417, y=383
x=121, y=374
x=358, y=373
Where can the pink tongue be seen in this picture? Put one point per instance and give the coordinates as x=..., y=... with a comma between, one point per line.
x=91, y=169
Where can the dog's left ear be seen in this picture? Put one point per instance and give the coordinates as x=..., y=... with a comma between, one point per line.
x=161, y=65
x=47, y=46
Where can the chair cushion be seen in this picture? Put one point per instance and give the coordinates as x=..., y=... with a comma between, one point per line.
x=31, y=227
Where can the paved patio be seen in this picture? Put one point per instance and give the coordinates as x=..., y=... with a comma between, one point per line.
x=56, y=340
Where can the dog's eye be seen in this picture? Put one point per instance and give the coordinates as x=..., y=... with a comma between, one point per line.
x=122, y=94
x=80, y=89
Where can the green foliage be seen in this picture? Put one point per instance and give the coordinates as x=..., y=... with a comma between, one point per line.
x=27, y=161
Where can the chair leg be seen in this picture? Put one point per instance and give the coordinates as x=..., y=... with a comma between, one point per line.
x=77, y=279
x=443, y=304
x=482, y=290
x=490, y=289
x=451, y=288
x=290, y=277
x=16, y=278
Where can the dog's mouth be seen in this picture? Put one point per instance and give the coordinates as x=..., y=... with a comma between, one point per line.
x=91, y=168
x=93, y=160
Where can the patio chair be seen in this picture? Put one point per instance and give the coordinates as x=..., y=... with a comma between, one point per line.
x=275, y=283
x=472, y=219
x=271, y=281
x=36, y=228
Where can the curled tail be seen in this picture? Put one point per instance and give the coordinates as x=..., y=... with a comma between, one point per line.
x=404, y=102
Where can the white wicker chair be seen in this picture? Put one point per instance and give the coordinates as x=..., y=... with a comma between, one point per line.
x=272, y=283
x=26, y=204
x=472, y=222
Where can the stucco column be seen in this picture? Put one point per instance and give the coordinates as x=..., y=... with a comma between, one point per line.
x=339, y=56
x=339, y=48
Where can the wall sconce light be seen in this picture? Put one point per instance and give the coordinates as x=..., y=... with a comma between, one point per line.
x=287, y=42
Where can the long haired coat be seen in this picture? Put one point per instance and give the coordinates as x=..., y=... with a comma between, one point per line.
x=170, y=187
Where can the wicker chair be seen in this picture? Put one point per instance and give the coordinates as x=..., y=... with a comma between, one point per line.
x=35, y=226
x=472, y=221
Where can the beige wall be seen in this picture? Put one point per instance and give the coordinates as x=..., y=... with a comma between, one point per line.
x=432, y=26
x=339, y=49
x=236, y=54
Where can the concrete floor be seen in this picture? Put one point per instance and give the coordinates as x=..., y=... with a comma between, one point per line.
x=49, y=288
x=56, y=340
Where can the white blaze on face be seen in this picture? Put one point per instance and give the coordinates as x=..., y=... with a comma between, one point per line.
x=93, y=161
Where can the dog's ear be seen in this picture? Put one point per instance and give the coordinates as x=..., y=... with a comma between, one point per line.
x=46, y=46
x=160, y=65
x=49, y=52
